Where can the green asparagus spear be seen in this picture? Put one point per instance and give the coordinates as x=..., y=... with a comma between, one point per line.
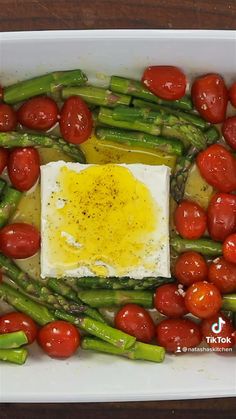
x=20, y=139
x=229, y=302
x=2, y=185
x=96, y=96
x=47, y=83
x=16, y=356
x=8, y=204
x=13, y=340
x=41, y=314
x=189, y=134
x=205, y=246
x=212, y=135
x=139, y=350
x=92, y=282
x=108, y=298
x=133, y=138
x=136, y=89
x=182, y=116
x=179, y=177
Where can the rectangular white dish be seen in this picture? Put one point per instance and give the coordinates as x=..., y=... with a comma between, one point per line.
x=92, y=377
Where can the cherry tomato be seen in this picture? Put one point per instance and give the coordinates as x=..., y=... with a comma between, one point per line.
x=218, y=166
x=175, y=334
x=59, y=339
x=203, y=299
x=232, y=94
x=165, y=81
x=23, y=167
x=38, y=113
x=229, y=248
x=190, y=267
x=223, y=275
x=229, y=131
x=14, y=321
x=221, y=216
x=190, y=220
x=135, y=321
x=3, y=158
x=19, y=240
x=8, y=120
x=218, y=331
x=210, y=97
x=169, y=300
x=76, y=120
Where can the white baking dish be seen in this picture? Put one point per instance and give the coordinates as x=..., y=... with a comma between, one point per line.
x=90, y=376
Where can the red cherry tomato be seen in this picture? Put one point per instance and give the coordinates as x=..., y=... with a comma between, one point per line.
x=59, y=339
x=221, y=216
x=135, y=321
x=190, y=267
x=8, y=120
x=203, y=299
x=218, y=166
x=169, y=300
x=210, y=97
x=76, y=120
x=13, y=322
x=38, y=113
x=175, y=334
x=23, y=167
x=19, y=240
x=229, y=131
x=229, y=248
x=223, y=275
x=165, y=81
x=232, y=94
x=3, y=158
x=218, y=331
x=190, y=220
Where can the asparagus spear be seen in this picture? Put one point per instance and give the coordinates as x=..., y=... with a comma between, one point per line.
x=16, y=356
x=2, y=185
x=135, y=88
x=229, y=302
x=8, y=204
x=13, y=340
x=108, y=298
x=20, y=139
x=188, y=134
x=212, y=135
x=47, y=83
x=138, y=351
x=164, y=110
x=96, y=96
x=205, y=246
x=121, y=283
x=179, y=177
x=133, y=138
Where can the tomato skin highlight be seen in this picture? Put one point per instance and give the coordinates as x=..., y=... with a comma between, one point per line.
x=229, y=248
x=23, y=167
x=224, y=338
x=190, y=267
x=3, y=159
x=210, y=97
x=19, y=240
x=221, y=216
x=232, y=94
x=76, y=120
x=135, y=321
x=175, y=334
x=169, y=300
x=38, y=113
x=223, y=275
x=229, y=131
x=59, y=339
x=167, y=82
x=8, y=119
x=218, y=167
x=190, y=220
x=203, y=299
x=14, y=322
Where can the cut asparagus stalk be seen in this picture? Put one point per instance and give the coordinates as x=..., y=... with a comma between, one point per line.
x=109, y=298
x=97, y=96
x=13, y=340
x=48, y=83
x=121, y=283
x=136, y=89
x=10, y=199
x=229, y=302
x=21, y=139
x=15, y=356
x=205, y=246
